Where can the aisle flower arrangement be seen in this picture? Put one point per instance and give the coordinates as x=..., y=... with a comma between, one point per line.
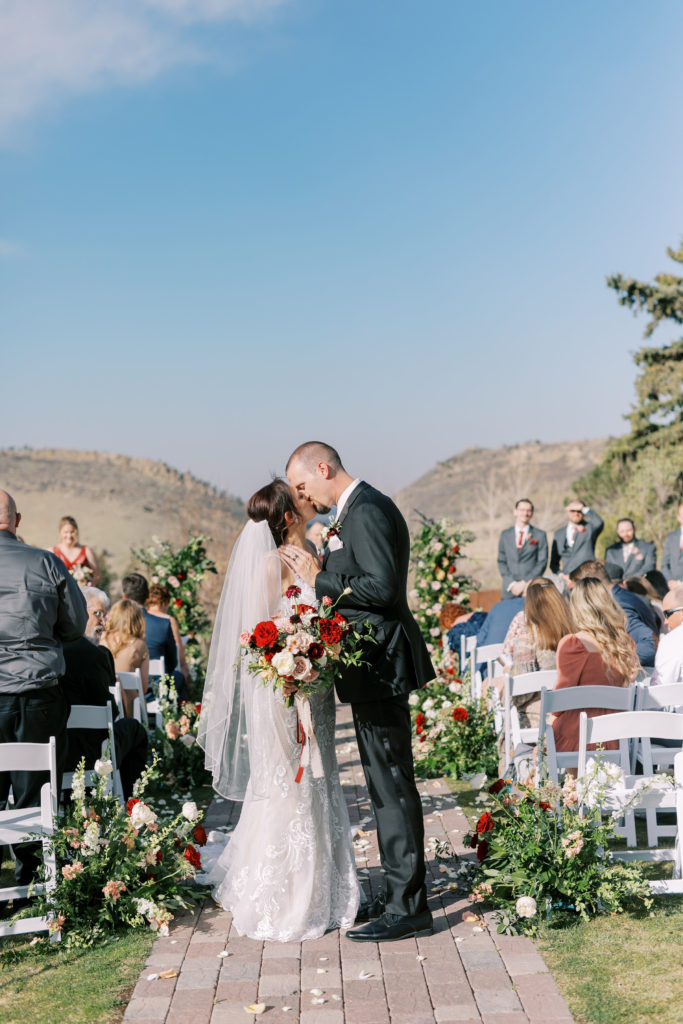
x=119, y=867
x=452, y=732
x=180, y=761
x=539, y=857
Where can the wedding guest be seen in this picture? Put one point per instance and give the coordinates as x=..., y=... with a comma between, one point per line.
x=669, y=658
x=314, y=534
x=642, y=622
x=98, y=605
x=41, y=609
x=497, y=622
x=658, y=582
x=158, y=632
x=634, y=556
x=522, y=552
x=641, y=586
x=157, y=605
x=575, y=542
x=598, y=653
x=73, y=554
x=124, y=636
x=672, y=555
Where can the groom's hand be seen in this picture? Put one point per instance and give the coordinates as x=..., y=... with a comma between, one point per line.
x=300, y=562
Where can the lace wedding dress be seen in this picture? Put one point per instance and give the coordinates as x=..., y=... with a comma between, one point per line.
x=288, y=871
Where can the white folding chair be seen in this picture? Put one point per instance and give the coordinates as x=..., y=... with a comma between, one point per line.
x=131, y=682
x=117, y=694
x=519, y=743
x=667, y=697
x=90, y=716
x=488, y=655
x=468, y=647
x=642, y=726
x=21, y=825
x=577, y=698
x=157, y=667
x=674, y=885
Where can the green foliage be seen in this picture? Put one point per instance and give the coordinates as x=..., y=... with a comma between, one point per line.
x=454, y=733
x=180, y=763
x=641, y=474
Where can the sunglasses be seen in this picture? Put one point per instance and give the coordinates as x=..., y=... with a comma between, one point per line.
x=671, y=611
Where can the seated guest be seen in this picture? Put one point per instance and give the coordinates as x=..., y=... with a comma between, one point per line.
x=88, y=676
x=522, y=552
x=669, y=657
x=496, y=624
x=314, y=536
x=124, y=636
x=575, y=542
x=73, y=554
x=642, y=622
x=634, y=556
x=658, y=582
x=639, y=585
x=157, y=605
x=672, y=555
x=158, y=632
x=599, y=653
x=98, y=607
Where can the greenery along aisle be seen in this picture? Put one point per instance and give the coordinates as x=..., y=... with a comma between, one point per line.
x=453, y=732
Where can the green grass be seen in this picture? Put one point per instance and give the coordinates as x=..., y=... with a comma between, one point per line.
x=50, y=985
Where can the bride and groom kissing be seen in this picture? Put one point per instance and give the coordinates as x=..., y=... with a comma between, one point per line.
x=288, y=871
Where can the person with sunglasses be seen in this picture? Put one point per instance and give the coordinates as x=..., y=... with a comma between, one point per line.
x=669, y=657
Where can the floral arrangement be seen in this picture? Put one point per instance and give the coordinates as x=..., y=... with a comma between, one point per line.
x=435, y=550
x=538, y=856
x=119, y=867
x=303, y=647
x=453, y=733
x=83, y=575
x=181, y=760
x=182, y=573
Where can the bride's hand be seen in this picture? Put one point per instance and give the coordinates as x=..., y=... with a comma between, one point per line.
x=289, y=689
x=300, y=562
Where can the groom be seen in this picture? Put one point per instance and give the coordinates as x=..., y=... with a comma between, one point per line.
x=368, y=551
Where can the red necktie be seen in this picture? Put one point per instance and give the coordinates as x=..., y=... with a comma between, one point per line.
x=520, y=542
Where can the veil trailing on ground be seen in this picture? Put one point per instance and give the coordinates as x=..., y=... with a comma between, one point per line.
x=243, y=726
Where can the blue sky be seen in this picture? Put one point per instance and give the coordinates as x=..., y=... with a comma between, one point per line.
x=227, y=226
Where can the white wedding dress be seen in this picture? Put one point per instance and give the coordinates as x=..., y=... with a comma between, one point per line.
x=288, y=870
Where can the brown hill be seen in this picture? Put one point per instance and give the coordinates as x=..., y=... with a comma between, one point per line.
x=119, y=502
x=478, y=488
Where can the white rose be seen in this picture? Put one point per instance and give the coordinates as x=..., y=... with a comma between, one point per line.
x=453, y=687
x=414, y=593
x=446, y=703
x=526, y=906
x=189, y=810
x=283, y=663
x=432, y=714
x=436, y=585
x=413, y=700
x=429, y=703
x=187, y=740
x=104, y=767
x=142, y=815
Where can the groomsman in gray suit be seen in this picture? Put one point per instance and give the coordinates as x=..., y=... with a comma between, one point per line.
x=574, y=543
x=672, y=556
x=634, y=556
x=522, y=552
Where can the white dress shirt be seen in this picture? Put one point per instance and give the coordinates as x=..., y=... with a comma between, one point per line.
x=669, y=658
x=345, y=495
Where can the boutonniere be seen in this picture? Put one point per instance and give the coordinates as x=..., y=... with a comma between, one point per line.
x=332, y=530
x=532, y=541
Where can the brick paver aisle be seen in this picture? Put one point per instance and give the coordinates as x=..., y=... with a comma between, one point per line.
x=464, y=972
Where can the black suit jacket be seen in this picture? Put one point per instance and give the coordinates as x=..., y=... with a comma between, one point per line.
x=373, y=562
x=89, y=674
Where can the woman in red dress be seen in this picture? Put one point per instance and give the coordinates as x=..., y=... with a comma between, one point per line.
x=74, y=554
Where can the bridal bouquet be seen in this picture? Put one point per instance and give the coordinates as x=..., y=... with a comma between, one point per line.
x=302, y=647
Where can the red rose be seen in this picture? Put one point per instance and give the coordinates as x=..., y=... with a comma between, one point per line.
x=455, y=589
x=198, y=708
x=474, y=841
x=482, y=851
x=420, y=718
x=303, y=608
x=265, y=634
x=460, y=714
x=485, y=823
x=451, y=568
x=423, y=737
x=316, y=651
x=544, y=806
x=199, y=835
x=339, y=619
x=330, y=632
x=131, y=804
x=455, y=548
x=292, y=591
x=178, y=603
x=497, y=786
x=192, y=855
x=419, y=729
x=181, y=575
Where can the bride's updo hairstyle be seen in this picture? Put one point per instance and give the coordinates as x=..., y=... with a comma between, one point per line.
x=271, y=503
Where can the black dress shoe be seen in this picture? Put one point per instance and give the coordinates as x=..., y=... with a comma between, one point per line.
x=392, y=927
x=371, y=911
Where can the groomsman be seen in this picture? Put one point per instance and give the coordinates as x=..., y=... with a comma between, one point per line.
x=522, y=552
x=672, y=556
x=634, y=556
x=574, y=543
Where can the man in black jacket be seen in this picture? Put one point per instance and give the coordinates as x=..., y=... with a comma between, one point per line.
x=41, y=607
x=366, y=566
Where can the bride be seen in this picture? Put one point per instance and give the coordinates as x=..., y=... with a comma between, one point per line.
x=288, y=871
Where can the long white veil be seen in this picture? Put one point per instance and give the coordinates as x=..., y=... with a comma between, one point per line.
x=243, y=726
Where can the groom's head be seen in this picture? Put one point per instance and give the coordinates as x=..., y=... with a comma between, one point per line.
x=315, y=470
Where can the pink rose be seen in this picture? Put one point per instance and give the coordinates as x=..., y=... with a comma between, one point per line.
x=310, y=676
x=172, y=730
x=301, y=668
x=245, y=638
x=327, y=601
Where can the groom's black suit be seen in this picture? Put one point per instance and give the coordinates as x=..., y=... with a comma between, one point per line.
x=373, y=562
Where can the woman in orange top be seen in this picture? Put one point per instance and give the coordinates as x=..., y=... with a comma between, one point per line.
x=599, y=653
x=74, y=554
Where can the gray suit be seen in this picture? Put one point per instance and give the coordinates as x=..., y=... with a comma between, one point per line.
x=642, y=559
x=523, y=563
x=672, y=556
x=564, y=558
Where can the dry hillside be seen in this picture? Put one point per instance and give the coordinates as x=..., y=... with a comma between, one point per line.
x=118, y=502
x=478, y=488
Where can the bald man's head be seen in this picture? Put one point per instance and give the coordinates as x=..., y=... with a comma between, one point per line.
x=9, y=517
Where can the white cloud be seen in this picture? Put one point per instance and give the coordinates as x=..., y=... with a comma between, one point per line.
x=53, y=49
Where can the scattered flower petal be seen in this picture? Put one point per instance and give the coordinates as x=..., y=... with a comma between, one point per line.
x=152, y=977
x=316, y=991
x=255, y=1008
x=420, y=957
x=223, y=953
x=169, y=974
x=318, y=1001
x=364, y=975
x=322, y=970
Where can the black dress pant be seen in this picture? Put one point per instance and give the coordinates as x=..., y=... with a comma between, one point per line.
x=384, y=734
x=31, y=718
x=130, y=739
